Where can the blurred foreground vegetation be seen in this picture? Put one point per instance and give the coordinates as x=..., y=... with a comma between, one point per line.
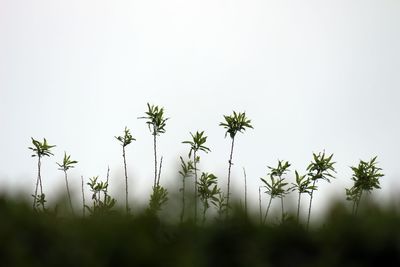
x=31, y=238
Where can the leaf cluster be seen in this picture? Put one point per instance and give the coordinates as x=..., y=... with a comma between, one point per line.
x=321, y=167
x=41, y=148
x=208, y=189
x=197, y=143
x=187, y=168
x=100, y=206
x=67, y=163
x=40, y=201
x=275, y=188
x=303, y=184
x=155, y=119
x=366, y=178
x=158, y=198
x=237, y=122
x=126, y=139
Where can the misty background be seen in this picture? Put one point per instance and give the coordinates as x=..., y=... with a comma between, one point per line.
x=311, y=75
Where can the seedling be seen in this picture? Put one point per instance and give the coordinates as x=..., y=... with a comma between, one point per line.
x=237, y=122
x=274, y=189
x=302, y=186
x=196, y=144
x=67, y=164
x=277, y=173
x=40, y=150
x=319, y=169
x=366, y=178
x=186, y=171
x=208, y=191
x=157, y=199
x=100, y=205
x=125, y=140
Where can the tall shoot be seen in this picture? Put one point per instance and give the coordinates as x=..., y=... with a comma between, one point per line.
x=319, y=169
x=125, y=140
x=185, y=172
x=67, y=164
x=237, y=122
x=366, y=178
x=278, y=172
x=196, y=144
x=302, y=186
x=156, y=123
x=208, y=191
x=40, y=149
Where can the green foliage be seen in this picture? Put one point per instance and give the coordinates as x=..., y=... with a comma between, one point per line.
x=102, y=202
x=126, y=139
x=67, y=163
x=187, y=168
x=237, y=122
x=39, y=202
x=158, y=198
x=303, y=184
x=208, y=191
x=366, y=178
x=276, y=187
x=197, y=143
x=41, y=149
x=155, y=119
x=321, y=167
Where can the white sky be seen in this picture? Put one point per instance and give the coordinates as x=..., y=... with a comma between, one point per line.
x=311, y=75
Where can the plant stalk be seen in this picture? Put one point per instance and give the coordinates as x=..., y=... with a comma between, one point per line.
x=83, y=199
x=68, y=192
x=298, y=208
x=195, y=186
x=229, y=177
x=266, y=212
x=126, y=181
x=309, y=208
x=37, y=183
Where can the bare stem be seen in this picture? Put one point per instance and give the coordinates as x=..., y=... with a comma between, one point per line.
x=245, y=191
x=298, y=207
x=309, y=208
x=126, y=181
x=68, y=192
x=37, y=183
x=195, y=187
x=266, y=212
x=159, y=171
x=229, y=177
x=259, y=201
x=183, y=198
x=83, y=198
x=155, y=156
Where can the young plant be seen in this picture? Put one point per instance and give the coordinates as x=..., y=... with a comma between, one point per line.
x=67, y=164
x=208, y=191
x=220, y=204
x=275, y=189
x=278, y=172
x=237, y=122
x=125, y=140
x=100, y=205
x=366, y=178
x=40, y=149
x=196, y=144
x=185, y=172
x=156, y=123
x=157, y=199
x=319, y=169
x=302, y=186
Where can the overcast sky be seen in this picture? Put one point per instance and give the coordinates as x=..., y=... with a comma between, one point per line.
x=311, y=75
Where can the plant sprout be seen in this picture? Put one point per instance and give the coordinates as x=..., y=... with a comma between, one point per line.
x=40, y=149
x=208, y=191
x=237, y=122
x=185, y=172
x=275, y=188
x=320, y=168
x=302, y=186
x=67, y=164
x=100, y=207
x=366, y=178
x=196, y=144
x=277, y=172
x=125, y=140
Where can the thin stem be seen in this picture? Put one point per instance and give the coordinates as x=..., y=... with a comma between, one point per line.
x=83, y=199
x=298, y=207
x=159, y=171
x=259, y=201
x=183, y=197
x=245, y=191
x=266, y=212
x=283, y=211
x=195, y=186
x=229, y=176
x=204, y=213
x=126, y=181
x=309, y=208
x=106, y=190
x=69, y=194
x=155, y=154
x=37, y=184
